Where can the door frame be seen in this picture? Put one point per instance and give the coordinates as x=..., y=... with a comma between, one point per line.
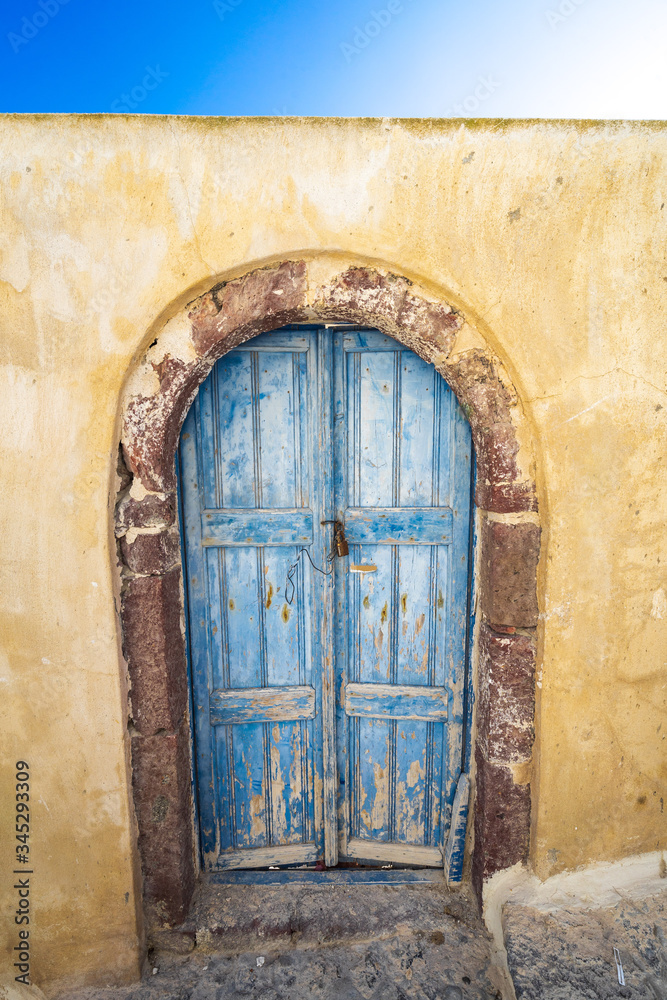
x=158, y=394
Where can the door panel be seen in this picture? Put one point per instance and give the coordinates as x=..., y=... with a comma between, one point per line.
x=403, y=472
x=327, y=702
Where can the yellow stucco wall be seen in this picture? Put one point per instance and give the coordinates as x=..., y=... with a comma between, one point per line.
x=550, y=237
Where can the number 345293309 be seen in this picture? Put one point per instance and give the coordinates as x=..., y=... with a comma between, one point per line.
x=22, y=809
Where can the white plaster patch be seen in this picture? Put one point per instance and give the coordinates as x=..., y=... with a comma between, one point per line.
x=14, y=262
x=137, y=490
x=54, y=285
x=595, y=886
x=659, y=607
x=133, y=533
x=175, y=340
x=518, y=517
x=18, y=426
x=142, y=382
x=129, y=267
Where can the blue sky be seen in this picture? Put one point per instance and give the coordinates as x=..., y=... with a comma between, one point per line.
x=410, y=58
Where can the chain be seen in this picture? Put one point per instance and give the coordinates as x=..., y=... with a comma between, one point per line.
x=290, y=586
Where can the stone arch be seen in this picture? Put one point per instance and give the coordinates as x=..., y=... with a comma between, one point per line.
x=156, y=399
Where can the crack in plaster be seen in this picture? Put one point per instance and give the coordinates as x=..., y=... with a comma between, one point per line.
x=590, y=378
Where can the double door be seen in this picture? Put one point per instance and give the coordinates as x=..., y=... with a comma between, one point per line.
x=325, y=487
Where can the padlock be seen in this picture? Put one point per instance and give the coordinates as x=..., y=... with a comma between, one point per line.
x=342, y=548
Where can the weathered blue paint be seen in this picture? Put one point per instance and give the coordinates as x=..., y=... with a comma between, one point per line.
x=331, y=720
x=391, y=526
x=396, y=701
x=455, y=849
x=469, y=699
x=269, y=704
x=257, y=527
x=340, y=876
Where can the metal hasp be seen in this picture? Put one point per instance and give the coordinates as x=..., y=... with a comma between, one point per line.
x=329, y=715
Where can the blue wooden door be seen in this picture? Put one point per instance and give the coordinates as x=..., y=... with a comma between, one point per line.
x=328, y=693
x=403, y=490
x=252, y=497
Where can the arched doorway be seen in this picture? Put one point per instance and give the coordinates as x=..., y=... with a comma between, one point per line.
x=157, y=397
x=325, y=477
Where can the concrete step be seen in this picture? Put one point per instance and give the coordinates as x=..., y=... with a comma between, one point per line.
x=320, y=942
x=234, y=918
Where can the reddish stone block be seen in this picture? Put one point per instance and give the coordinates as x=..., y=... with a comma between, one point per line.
x=506, y=698
x=152, y=424
x=488, y=406
x=362, y=295
x=152, y=554
x=505, y=498
x=155, y=651
x=502, y=821
x=486, y=400
x=496, y=448
x=237, y=310
x=508, y=578
x=163, y=806
x=152, y=512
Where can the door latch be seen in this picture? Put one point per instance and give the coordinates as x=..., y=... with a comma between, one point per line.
x=340, y=541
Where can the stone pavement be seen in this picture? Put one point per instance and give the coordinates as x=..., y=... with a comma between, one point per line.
x=569, y=954
x=310, y=942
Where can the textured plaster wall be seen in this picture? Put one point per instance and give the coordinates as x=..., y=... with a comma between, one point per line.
x=550, y=237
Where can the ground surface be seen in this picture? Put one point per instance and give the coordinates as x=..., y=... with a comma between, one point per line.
x=361, y=942
x=569, y=955
x=397, y=942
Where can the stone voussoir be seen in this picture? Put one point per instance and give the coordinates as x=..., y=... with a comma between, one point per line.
x=370, y=298
x=153, y=511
